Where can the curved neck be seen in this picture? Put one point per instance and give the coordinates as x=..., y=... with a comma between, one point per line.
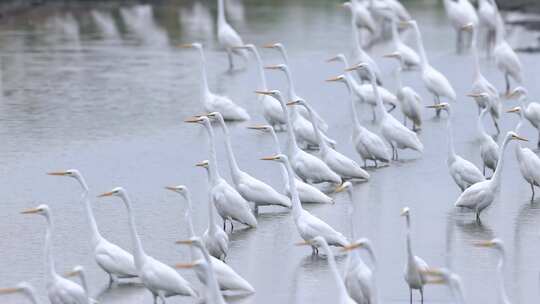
x=398, y=77
x=480, y=123
x=262, y=76
x=451, y=149
x=189, y=220
x=410, y=254
x=290, y=89
x=351, y=214
x=283, y=170
x=213, y=171
x=84, y=283
x=380, y=108
x=233, y=165
x=221, y=13
x=474, y=50
x=420, y=46
x=500, y=275
x=204, y=89
x=322, y=144
x=458, y=293
x=96, y=236
x=357, y=48
x=49, y=259
x=291, y=145
x=138, y=251
x=352, y=103
x=211, y=216
x=284, y=55
x=212, y=283
x=32, y=296
x=296, y=206
x=395, y=35
x=335, y=272
x=496, y=179
x=499, y=30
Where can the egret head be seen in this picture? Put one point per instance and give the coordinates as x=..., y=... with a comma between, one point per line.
x=263, y=128
x=193, y=241
x=118, y=191
x=298, y=102
x=194, y=45
x=248, y=46
x=495, y=243
x=180, y=189
x=340, y=78
x=339, y=57
x=405, y=211
x=516, y=110
x=517, y=93
x=274, y=93
x=511, y=135
x=396, y=55
x=71, y=173
x=408, y=23
x=480, y=96
x=201, y=119
x=344, y=186
x=41, y=210
x=281, y=67
x=358, y=244
x=437, y=275
x=23, y=287
x=282, y=158
x=347, y=4
x=76, y=271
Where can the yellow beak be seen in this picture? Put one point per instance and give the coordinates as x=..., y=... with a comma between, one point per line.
x=185, y=242
x=30, y=211
x=60, y=173
x=105, y=194
x=184, y=265
x=269, y=158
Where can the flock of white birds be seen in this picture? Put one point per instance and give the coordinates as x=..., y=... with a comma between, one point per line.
x=238, y=201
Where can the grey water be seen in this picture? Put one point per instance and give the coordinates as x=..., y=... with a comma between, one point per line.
x=102, y=87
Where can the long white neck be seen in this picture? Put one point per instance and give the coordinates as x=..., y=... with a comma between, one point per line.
x=395, y=35
x=499, y=30
x=84, y=283
x=496, y=179
x=283, y=170
x=138, y=252
x=263, y=86
x=357, y=48
x=480, y=124
x=284, y=55
x=420, y=45
x=352, y=104
x=189, y=220
x=333, y=267
x=292, y=147
x=474, y=50
x=32, y=296
x=96, y=236
x=233, y=165
x=322, y=144
x=211, y=216
x=212, y=283
x=49, y=258
x=204, y=89
x=296, y=206
x=213, y=170
x=398, y=78
x=450, y=132
x=500, y=275
x=381, y=112
x=221, y=13
x=458, y=292
x=290, y=89
x=410, y=254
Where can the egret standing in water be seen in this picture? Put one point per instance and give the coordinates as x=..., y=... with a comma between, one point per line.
x=228, y=38
x=481, y=195
x=506, y=58
x=213, y=102
x=115, y=261
x=160, y=279
x=489, y=149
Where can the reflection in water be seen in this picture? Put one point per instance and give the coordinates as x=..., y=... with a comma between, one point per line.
x=140, y=21
x=130, y=291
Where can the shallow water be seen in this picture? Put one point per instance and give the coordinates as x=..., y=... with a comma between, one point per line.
x=101, y=87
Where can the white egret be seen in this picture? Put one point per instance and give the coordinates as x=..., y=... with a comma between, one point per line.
x=302, y=127
x=115, y=261
x=215, y=238
x=363, y=17
x=481, y=195
x=452, y=280
x=409, y=100
x=252, y=189
x=213, y=102
x=337, y=162
x=308, y=167
x=213, y=293
x=396, y=134
x=365, y=91
x=24, y=288
x=360, y=278
x=308, y=225
x=216, y=241
x=498, y=246
x=487, y=15
x=228, y=38
x=292, y=92
x=272, y=112
x=59, y=289
x=79, y=272
x=399, y=9
x=489, y=149
x=481, y=84
x=415, y=265
x=462, y=171
x=409, y=57
x=342, y=296
x=306, y=192
x=161, y=280
x=229, y=204
x=358, y=54
x=434, y=81
x=460, y=13
x=529, y=162
x=506, y=58
x=368, y=144
x=531, y=111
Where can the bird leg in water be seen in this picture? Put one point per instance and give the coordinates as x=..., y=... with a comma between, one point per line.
x=421, y=295
x=230, y=55
x=410, y=295
x=507, y=81
x=532, y=190
x=459, y=41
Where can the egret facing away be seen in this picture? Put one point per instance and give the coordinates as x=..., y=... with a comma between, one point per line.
x=115, y=261
x=531, y=111
x=229, y=204
x=498, y=246
x=505, y=58
x=452, y=280
x=161, y=280
x=368, y=144
x=271, y=109
x=529, y=162
x=434, y=81
x=59, y=289
x=306, y=192
x=460, y=13
x=308, y=167
x=216, y=241
x=463, y=172
x=339, y=163
x=213, y=102
x=252, y=189
x=409, y=100
x=308, y=225
x=320, y=242
x=23, y=287
x=415, y=265
x=396, y=134
x=481, y=195
x=213, y=294
x=228, y=38
x=78, y=271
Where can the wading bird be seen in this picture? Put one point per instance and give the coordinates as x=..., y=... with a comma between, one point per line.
x=531, y=111
x=481, y=195
x=59, y=289
x=308, y=225
x=460, y=13
x=79, y=272
x=506, y=58
x=498, y=246
x=463, y=172
x=229, y=204
x=452, y=280
x=228, y=38
x=415, y=265
x=489, y=149
x=213, y=102
x=115, y=261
